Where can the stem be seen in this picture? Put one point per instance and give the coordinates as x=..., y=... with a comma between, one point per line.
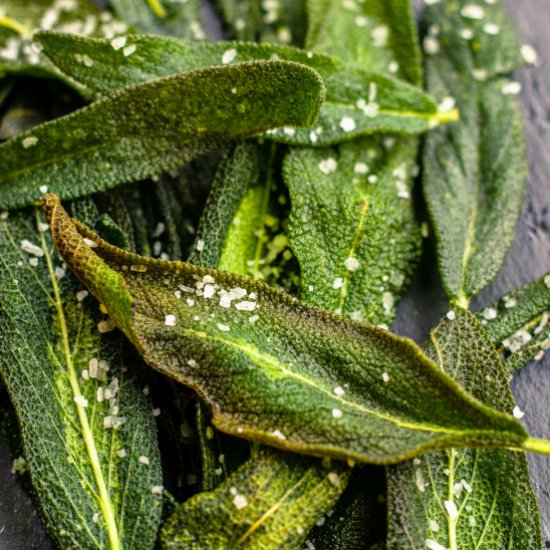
x=448, y=116
x=157, y=8
x=541, y=446
x=12, y=24
x=104, y=497
x=461, y=300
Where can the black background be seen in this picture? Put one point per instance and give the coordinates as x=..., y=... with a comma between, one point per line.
x=422, y=307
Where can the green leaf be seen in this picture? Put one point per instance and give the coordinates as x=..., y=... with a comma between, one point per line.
x=269, y=502
x=19, y=20
x=379, y=35
x=82, y=446
x=273, y=369
x=475, y=170
x=345, y=204
x=144, y=129
x=181, y=19
x=518, y=323
x=358, y=102
x=464, y=499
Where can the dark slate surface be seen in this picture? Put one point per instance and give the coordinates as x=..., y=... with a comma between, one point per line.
x=20, y=528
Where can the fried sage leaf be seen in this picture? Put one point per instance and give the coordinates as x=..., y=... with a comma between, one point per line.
x=144, y=129
x=88, y=435
x=518, y=323
x=269, y=502
x=358, y=102
x=474, y=171
x=465, y=499
x=162, y=17
x=275, y=370
x=352, y=226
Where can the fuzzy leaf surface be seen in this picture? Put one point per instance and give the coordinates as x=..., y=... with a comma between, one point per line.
x=268, y=365
x=475, y=170
x=518, y=323
x=464, y=499
x=269, y=502
x=373, y=102
x=352, y=226
x=145, y=129
x=92, y=489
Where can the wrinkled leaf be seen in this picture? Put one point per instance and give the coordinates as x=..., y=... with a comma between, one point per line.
x=474, y=171
x=518, y=323
x=181, y=19
x=142, y=130
x=84, y=422
x=380, y=36
x=292, y=400
x=358, y=102
x=465, y=499
x=352, y=226
x=269, y=502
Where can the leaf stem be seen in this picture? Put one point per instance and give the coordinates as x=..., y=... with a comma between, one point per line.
x=12, y=24
x=541, y=446
x=157, y=8
x=104, y=497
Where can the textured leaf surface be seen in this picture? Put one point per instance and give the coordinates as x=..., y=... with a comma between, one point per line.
x=463, y=499
x=181, y=19
x=379, y=35
x=475, y=170
x=145, y=129
x=352, y=226
x=518, y=323
x=93, y=489
x=19, y=20
x=269, y=502
x=279, y=378
x=358, y=102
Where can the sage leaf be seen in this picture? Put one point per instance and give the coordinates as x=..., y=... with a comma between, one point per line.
x=518, y=323
x=145, y=129
x=478, y=498
x=379, y=35
x=358, y=102
x=345, y=204
x=88, y=434
x=269, y=502
x=268, y=367
x=18, y=51
x=475, y=170
x=161, y=17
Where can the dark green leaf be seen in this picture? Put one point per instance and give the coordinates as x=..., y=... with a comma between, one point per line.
x=475, y=170
x=275, y=370
x=465, y=499
x=518, y=323
x=144, y=129
x=88, y=432
x=380, y=36
x=269, y=502
x=358, y=102
x=352, y=226
x=181, y=19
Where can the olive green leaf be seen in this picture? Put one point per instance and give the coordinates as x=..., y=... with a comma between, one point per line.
x=269, y=502
x=352, y=226
x=474, y=171
x=142, y=130
x=275, y=370
x=19, y=20
x=181, y=19
x=358, y=102
x=88, y=434
x=518, y=323
x=380, y=36
x=464, y=499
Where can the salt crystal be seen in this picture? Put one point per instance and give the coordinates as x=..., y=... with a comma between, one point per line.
x=228, y=56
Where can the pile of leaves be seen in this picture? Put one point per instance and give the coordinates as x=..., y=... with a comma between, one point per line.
x=242, y=217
